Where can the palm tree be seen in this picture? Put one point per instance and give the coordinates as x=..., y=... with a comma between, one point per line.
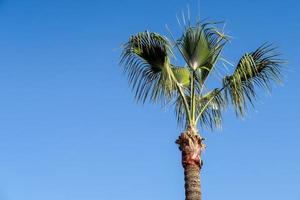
x=146, y=59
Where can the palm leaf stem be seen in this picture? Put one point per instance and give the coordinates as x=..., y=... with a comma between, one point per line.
x=186, y=105
x=193, y=99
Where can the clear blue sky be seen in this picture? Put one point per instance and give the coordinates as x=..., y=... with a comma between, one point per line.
x=70, y=129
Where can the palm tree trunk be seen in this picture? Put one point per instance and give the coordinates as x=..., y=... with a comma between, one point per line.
x=191, y=145
x=192, y=182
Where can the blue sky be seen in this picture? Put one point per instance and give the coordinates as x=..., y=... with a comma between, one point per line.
x=70, y=128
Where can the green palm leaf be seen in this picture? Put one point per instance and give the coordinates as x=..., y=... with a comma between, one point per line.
x=182, y=76
x=145, y=59
x=200, y=46
x=208, y=109
x=259, y=68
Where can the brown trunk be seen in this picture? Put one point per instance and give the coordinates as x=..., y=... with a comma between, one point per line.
x=192, y=182
x=191, y=145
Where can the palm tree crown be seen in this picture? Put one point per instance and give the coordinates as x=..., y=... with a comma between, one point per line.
x=147, y=60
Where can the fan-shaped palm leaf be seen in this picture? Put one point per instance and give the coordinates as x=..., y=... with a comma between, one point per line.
x=146, y=61
x=182, y=76
x=259, y=68
x=208, y=109
x=200, y=46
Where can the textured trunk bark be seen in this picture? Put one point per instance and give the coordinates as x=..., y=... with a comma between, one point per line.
x=191, y=145
x=192, y=182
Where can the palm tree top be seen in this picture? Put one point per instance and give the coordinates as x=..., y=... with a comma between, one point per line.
x=147, y=56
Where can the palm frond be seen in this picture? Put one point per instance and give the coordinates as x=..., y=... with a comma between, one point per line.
x=206, y=69
x=200, y=45
x=181, y=115
x=146, y=61
x=182, y=75
x=210, y=108
x=259, y=68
